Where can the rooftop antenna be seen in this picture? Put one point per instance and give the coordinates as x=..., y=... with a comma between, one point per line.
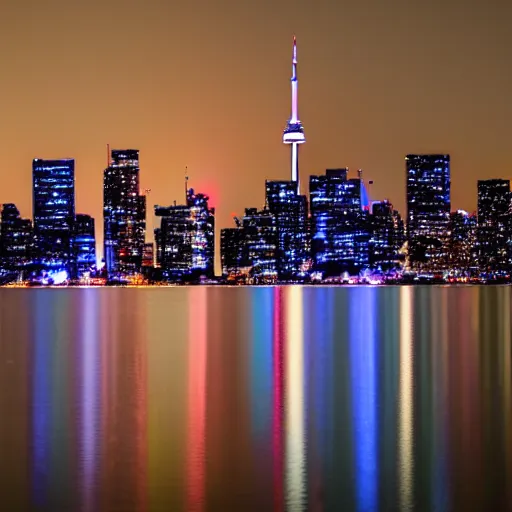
x=186, y=183
x=108, y=155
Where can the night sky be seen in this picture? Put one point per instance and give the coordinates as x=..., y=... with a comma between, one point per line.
x=205, y=84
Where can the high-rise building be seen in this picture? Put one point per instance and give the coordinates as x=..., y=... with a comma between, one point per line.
x=339, y=223
x=233, y=251
x=494, y=230
x=124, y=213
x=16, y=240
x=186, y=238
x=428, y=210
x=290, y=212
x=294, y=131
x=54, y=214
x=463, y=253
x=261, y=242
x=84, y=244
x=387, y=235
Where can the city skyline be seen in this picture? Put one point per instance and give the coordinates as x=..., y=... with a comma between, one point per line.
x=367, y=101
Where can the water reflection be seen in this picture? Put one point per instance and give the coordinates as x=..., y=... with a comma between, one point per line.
x=363, y=364
x=294, y=398
x=196, y=398
x=406, y=407
x=294, y=404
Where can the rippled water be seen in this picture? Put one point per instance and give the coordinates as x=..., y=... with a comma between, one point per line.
x=256, y=399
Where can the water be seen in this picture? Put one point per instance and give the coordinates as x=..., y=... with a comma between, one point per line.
x=256, y=399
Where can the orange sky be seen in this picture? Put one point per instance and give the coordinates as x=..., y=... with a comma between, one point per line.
x=205, y=84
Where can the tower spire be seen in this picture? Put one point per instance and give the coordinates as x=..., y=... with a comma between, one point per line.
x=294, y=132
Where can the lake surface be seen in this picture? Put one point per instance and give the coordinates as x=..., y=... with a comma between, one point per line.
x=256, y=399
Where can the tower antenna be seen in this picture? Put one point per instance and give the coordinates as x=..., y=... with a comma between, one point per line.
x=294, y=132
x=108, y=155
x=186, y=183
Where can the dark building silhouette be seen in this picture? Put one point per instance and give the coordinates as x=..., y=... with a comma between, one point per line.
x=290, y=211
x=387, y=235
x=428, y=210
x=84, y=244
x=16, y=240
x=54, y=214
x=186, y=238
x=494, y=233
x=463, y=251
x=339, y=223
x=124, y=213
x=148, y=256
x=233, y=251
x=250, y=249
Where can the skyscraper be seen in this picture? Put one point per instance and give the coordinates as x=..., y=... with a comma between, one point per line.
x=339, y=223
x=16, y=239
x=494, y=230
x=463, y=253
x=84, y=244
x=54, y=213
x=387, y=235
x=261, y=243
x=290, y=211
x=428, y=210
x=294, y=132
x=124, y=213
x=233, y=251
x=186, y=238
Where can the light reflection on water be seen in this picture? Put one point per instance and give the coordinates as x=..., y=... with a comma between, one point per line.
x=257, y=399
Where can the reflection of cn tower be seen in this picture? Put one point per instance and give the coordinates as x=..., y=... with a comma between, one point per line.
x=278, y=399
x=294, y=132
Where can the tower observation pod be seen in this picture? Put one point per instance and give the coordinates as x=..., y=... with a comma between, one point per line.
x=294, y=132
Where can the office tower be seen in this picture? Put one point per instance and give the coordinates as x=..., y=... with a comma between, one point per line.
x=260, y=243
x=16, y=240
x=186, y=238
x=294, y=132
x=233, y=251
x=387, y=235
x=84, y=244
x=494, y=232
x=428, y=210
x=54, y=214
x=124, y=213
x=339, y=223
x=463, y=252
x=290, y=211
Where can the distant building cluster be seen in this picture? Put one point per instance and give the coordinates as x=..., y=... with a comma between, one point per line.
x=335, y=233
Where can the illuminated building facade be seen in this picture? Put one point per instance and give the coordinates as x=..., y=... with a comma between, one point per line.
x=186, y=238
x=463, y=253
x=428, y=210
x=84, y=244
x=124, y=214
x=339, y=223
x=16, y=239
x=233, y=251
x=54, y=214
x=494, y=233
x=290, y=211
x=294, y=131
x=261, y=242
x=387, y=236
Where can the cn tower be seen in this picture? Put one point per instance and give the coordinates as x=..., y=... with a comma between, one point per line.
x=294, y=132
